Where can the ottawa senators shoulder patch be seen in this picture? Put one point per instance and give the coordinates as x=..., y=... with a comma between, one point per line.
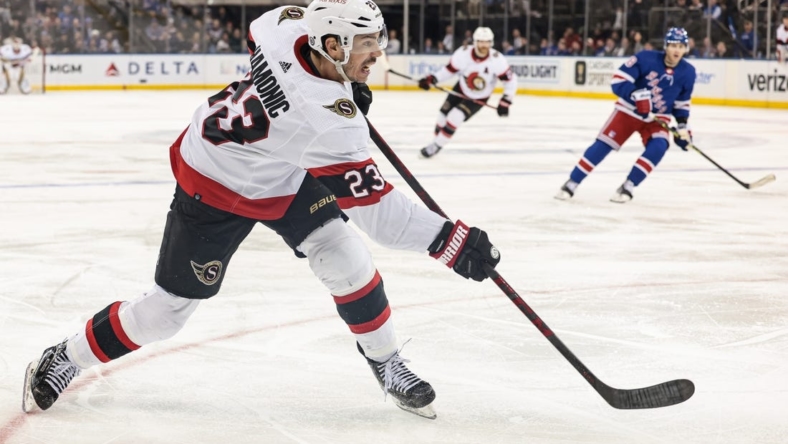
x=291, y=13
x=343, y=107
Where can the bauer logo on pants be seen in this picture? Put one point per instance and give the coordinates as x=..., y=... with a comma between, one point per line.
x=209, y=273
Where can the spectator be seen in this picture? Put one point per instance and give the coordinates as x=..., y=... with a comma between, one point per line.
x=713, y=10
x=507, y=48
x=696, y=5
x=394, y=46
x=623, y=50
x=746, y=41
x=618, y=22
x=429, y=48
x=609, y=50
x=518, y=42
x=648, y=46
x=638, y=45
x=692, y=51
x=448, y=40
x=468, y=39
x=708, y=51
x=576, y=49
x=235, y=41
x=722, y=50
x=570, y=37
x=546, y=49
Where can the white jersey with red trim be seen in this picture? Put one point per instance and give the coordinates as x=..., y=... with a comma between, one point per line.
x=782, y=42
x=478, y=76
x=15, y=58
x=249, y=147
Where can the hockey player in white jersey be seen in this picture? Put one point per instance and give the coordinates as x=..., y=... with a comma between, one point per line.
x=479, y=68
x=285, y=147
x=782, y=41
x=14, y=55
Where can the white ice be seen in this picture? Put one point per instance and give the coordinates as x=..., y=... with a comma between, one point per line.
x=689, y=280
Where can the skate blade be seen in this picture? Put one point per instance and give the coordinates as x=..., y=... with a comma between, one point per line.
x=620, y=199
x=425, y=412
x=28, y=402
x=562, y=195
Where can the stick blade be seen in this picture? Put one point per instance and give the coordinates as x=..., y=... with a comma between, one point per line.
x=762, y=182
x=660, y=395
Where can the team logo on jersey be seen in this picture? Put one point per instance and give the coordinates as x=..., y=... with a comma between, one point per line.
x=291, y=13
x=343, y=107
x=475, y=82
x=209, y=273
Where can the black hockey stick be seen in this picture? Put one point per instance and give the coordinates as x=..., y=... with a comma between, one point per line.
x=758, y=183
x=660, y=395
x=447, y=91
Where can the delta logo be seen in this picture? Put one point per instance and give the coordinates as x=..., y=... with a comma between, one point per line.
x=112, y=71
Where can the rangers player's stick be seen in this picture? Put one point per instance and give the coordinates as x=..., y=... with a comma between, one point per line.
x=758, y=183
x=660, y=395
x=447, y=91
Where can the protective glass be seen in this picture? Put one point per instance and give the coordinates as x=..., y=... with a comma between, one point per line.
x=366, y=43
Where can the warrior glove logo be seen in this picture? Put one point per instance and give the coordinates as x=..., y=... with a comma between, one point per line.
x=209, y=273
x=291, y=13
x=342, y=107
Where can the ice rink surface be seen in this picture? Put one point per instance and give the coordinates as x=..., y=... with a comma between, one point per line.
x=689, y=280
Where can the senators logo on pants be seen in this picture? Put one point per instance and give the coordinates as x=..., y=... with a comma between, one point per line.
x=209, y=273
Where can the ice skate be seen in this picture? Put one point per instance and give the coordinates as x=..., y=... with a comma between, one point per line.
x=46, y=378
x=410, y=392
x=624, y=193
x=430, y=150
x=567, y=190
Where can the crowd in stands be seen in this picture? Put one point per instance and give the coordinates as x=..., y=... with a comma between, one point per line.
x=119, y=26
x=160, y=26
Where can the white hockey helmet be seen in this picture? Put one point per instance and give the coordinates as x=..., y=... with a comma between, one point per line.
x=483, y=34
x=344, y=19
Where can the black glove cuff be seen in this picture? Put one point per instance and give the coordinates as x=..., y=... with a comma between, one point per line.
x=440, y=240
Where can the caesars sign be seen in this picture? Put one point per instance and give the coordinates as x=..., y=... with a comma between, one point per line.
x=595, y=72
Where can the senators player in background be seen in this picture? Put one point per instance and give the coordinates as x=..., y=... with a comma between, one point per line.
x=285, y=147
x=479, y=68
x=14, y=55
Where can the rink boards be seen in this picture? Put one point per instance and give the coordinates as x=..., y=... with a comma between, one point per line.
x=719, y=82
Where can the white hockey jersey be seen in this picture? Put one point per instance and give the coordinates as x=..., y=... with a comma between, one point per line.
x=15, y=58
x=478, y=76
x=249, y=147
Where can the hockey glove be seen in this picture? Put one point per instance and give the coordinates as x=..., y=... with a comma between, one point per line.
x=362, y=96
x=503, y=106
x=427, y=82
x=464, y=250
x=686, y=136
x=642, y=99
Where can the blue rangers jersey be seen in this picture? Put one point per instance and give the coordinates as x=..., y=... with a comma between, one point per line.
x=671, y=88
